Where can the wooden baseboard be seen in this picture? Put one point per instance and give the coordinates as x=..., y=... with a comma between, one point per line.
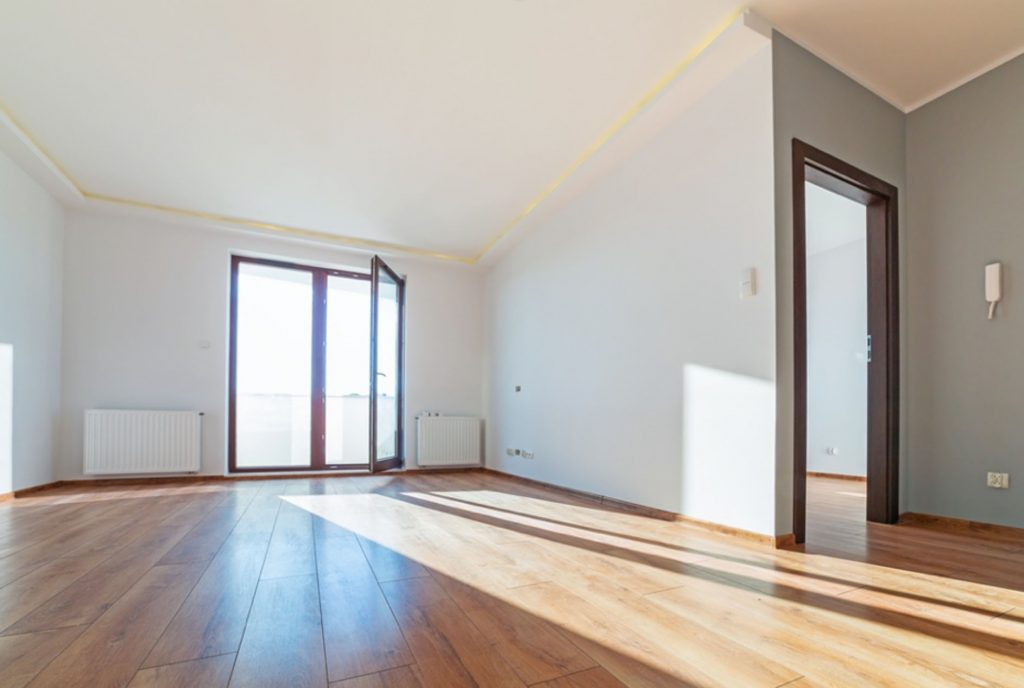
x=638, y=509
x=837, y=476
x=36, y=488
x=443, y=469
x=777, y=541
x=961, y=525
x=786, y=541
x=135, y=481
x=203, y=478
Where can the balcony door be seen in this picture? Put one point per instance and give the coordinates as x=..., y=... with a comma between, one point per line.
x=315, y=380
x=386, y=300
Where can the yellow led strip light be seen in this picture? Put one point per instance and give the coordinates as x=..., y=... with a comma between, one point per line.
x=319, y=235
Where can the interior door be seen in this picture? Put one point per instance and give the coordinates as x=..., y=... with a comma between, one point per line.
x=387, y=299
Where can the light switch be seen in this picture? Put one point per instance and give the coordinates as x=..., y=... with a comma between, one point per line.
x=748, y=283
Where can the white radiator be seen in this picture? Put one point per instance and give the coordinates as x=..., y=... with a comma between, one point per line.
x=447, y=441
x=119, y=442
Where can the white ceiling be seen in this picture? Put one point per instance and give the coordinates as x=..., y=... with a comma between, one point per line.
x=426, y=124
x=907, y=51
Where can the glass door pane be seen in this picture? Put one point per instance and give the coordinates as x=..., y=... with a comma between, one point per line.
x=348, y=371
x=273, y=374
x=386, y=367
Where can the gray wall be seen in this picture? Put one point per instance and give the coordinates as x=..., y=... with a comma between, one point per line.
x=965, y=160
x=818, y=104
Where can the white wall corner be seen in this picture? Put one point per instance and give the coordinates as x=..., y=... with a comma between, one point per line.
x=757, y=23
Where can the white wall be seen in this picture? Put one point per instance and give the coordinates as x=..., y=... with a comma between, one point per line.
x=837, y=377
x=6, y=418
x=141, y=295
x=31, y=237
x=620, y=318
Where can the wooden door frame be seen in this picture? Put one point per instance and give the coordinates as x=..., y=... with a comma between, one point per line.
x=398, y=460
x=318, y=392
x=813, y=165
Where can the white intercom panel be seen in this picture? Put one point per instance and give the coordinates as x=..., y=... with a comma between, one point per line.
x=993, y=287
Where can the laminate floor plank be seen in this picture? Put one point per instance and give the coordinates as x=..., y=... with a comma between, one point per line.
x=202, y=542
x=212, y=620
x=590, y=678
x=361, y=635
x=474, y=579
x=87, y=598
x=388, y=564
x=292, y=552
x=535, y=648
x=114, y=646
x=283, y=642
x=35, y=525
x=88, y=528
x=210, y=672
x=24, y=656
x=401, y=677
x=30, y=591
x=442, y=637
x=436, y=655
x=683, y=651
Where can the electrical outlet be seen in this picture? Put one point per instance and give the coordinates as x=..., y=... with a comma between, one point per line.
x=832, y=451
x=999, y=480
x=518, y=452
x=527, y=454
x=510, y=452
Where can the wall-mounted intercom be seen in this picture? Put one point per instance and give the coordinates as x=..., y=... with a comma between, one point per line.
x=993, y=287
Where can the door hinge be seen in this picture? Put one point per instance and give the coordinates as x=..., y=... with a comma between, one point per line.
x=869, y=348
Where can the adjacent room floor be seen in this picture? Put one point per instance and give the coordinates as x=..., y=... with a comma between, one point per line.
x=472, y=579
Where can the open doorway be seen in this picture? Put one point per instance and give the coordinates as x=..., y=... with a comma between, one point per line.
x=846, y=340
x=837, y=353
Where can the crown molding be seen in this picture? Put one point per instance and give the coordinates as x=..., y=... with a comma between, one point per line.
x=739, y=15
x=72, y=187
x=298, y=232
x=994, y=64
x=67, y=181
x=60, y=179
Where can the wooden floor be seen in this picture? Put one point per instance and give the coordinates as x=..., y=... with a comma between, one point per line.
x=475, y=580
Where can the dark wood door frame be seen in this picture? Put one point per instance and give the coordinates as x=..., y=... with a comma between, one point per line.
x=377, y=268
x=318, y=392
x=818, y=167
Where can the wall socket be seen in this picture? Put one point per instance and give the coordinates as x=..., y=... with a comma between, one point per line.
x=832, y=451
x=519, y=452
x=999, y=480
